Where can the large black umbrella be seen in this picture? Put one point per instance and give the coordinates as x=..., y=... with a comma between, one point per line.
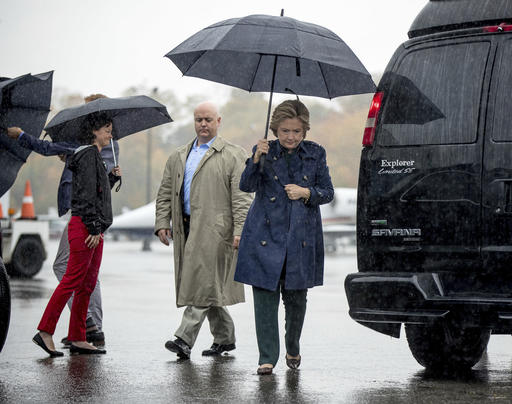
x=129, y=115
x=274, y=54
x=24, y=102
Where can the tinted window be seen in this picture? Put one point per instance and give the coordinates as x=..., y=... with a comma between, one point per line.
x=434, y=95
x=502, y=128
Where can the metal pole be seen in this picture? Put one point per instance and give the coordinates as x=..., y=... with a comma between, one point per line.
x=146, y=244
x=148, y=166
x=262, y=159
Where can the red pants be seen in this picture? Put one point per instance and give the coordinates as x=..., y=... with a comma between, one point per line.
x=80, y=278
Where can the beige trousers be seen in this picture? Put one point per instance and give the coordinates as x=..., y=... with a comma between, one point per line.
x=221, y=325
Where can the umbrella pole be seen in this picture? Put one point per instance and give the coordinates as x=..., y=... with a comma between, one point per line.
x=262, y=161
x=113, y=151
x=115, y=163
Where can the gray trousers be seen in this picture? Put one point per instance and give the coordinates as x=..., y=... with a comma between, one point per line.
x=221, y=325
x=94, y=311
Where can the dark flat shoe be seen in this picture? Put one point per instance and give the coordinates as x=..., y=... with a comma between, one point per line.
x=73, y=349
x=38, y=340
x=264, y=370
x=293, y=363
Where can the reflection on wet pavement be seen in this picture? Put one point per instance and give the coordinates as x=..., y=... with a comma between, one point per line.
x=25, y=289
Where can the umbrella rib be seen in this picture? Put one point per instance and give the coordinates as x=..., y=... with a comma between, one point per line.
x=325, y=81
x=255, y=72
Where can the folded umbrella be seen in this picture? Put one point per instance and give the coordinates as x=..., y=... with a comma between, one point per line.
x=129, y=115
x=24, y=102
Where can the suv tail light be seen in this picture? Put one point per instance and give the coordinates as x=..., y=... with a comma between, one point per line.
x=371, y=121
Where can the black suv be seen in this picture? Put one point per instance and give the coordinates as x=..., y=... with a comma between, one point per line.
x=434, y=215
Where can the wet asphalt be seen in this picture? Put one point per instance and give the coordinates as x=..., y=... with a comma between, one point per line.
x=342, y=361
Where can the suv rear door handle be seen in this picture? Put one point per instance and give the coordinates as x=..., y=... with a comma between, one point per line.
x=503, y=196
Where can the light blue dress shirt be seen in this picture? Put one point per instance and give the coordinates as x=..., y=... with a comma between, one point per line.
x=194, y=158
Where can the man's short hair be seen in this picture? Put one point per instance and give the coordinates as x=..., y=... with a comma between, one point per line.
x=93, y=97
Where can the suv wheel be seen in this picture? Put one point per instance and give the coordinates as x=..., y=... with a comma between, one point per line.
x=5, y=304
x=446, y=346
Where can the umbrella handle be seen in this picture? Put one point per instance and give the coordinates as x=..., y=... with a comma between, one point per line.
x=119, y=185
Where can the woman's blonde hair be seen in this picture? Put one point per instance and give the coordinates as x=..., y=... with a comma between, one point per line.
x=290, y=109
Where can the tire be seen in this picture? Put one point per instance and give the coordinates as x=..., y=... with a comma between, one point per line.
x=27, y=258
x=5, y=304
x=446, y=346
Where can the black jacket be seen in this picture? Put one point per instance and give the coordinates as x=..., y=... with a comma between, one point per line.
x=90, y=198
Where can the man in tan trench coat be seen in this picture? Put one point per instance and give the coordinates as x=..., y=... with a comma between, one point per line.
x=200, y=196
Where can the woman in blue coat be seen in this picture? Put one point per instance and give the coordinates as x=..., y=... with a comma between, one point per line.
x=281, y=250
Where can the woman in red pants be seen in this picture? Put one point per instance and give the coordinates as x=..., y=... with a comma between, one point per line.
x=91, y=215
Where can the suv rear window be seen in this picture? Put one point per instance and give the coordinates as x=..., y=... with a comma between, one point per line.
x=434, y=96
x=502, y=129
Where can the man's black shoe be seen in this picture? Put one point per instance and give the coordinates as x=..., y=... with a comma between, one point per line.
x=95, y=337
x=179, y=347
x=217, y=349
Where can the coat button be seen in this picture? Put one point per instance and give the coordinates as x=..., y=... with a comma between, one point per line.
x=304, y=244
x=275, y=157
x=267, y=221
x=273, y=199
x=176, y=194
x=305, y=178
x=263, y=243
x=275, y=177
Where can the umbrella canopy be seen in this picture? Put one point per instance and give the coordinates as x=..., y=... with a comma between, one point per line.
x=129, y=115
x=24, y=102
x=250, y=52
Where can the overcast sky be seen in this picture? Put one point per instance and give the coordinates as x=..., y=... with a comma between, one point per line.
x=109, y=45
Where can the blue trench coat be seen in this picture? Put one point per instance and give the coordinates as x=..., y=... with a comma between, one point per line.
x=278, y=228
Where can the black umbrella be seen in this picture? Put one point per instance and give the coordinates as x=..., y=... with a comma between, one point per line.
x=275, y=54
x=129, y=115
x=24, y=102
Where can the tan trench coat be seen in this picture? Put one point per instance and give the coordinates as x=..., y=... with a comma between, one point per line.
x=204, y=266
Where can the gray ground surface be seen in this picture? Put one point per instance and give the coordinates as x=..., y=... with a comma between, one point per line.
x=342, y=361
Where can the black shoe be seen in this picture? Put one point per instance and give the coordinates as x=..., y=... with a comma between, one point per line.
x=264, y=370
x=73, y=349
x=179, y=347
x=38, y=340
x=95, y=337
x=293, y=363
x=218, y=349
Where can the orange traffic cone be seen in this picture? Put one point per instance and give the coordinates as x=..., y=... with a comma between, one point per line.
x=27, y=208
x=1, y=211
